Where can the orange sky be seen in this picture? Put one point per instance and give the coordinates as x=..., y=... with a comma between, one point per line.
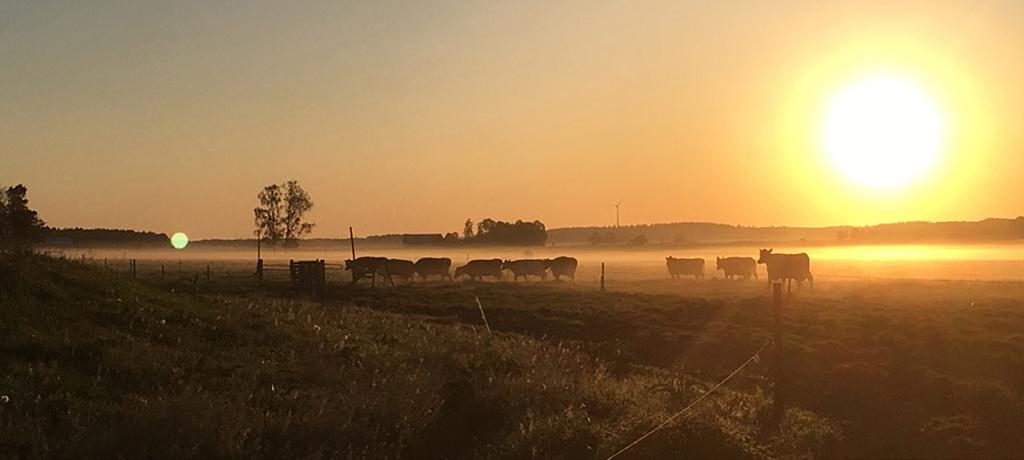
x=408, y=117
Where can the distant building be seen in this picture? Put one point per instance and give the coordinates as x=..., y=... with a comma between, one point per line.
x=424, y=239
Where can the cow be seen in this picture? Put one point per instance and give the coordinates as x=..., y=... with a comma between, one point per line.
x=685, y=267
x=526, y=267
x=787, y=267
x=737, y=266
x=480, y=268
x=365, y=267
x=563, y=266
x=427, y=266
x=398, y=268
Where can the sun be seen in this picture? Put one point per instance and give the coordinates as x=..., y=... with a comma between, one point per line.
x=882, y=131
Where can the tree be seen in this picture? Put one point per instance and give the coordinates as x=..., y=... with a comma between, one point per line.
x=519, y=233
x=485, y=226
x=595, y=239
x=638, y=240
x=279, y=216
x=20, y=225
x=296, y=204
x=269, y=224
x=467, y=229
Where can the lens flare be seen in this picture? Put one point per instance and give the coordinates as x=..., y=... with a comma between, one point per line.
x=179, y=240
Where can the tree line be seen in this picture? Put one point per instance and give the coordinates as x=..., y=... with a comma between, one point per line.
x=99, y=237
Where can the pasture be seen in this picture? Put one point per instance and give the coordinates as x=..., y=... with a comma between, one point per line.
x=875, y=366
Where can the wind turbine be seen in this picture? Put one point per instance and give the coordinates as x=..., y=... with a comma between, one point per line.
x=617, y=214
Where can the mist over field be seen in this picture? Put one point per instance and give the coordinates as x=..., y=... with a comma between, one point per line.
x=949, y=262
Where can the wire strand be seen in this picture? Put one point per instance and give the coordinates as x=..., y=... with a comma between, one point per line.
x=690, y=406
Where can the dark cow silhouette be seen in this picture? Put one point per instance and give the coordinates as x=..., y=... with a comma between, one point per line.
x=560, y=266
x=787, y=267
x=365, y=267
x=526, y=267
x=440, y=266
x=480, y=268
x=685, y=267
x=398, y=268
x=737, y=266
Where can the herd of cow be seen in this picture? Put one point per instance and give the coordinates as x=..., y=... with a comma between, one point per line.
x=369, y=267
x=781, y=267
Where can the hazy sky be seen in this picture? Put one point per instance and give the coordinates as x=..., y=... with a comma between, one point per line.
x=412, y=116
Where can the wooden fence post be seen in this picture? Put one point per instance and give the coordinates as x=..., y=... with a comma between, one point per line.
x=133, y=269
x=779, y=389
x=207, y=273
x=259, y=272
x=323, y=276
x=602, y=276
x=161, y=272
x=352, y=242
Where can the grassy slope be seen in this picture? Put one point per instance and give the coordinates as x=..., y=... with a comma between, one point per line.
x=97, y=366
x=907, y=368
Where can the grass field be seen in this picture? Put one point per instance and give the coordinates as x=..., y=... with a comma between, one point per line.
x=96, y=363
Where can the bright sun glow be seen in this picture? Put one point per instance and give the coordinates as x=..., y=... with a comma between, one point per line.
x=882, y=131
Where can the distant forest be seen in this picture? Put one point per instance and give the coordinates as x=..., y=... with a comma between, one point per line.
x=685, y=233
x=534, y=233
x=103, y=237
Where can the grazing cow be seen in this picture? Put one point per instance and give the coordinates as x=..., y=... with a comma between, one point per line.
x=398, y=268
x=480, y=268
x=787, y=267
x=563, y=266
x=365, y=267
x=434, y=266
x=526, y=267
x=685, y=267
x=737, y=266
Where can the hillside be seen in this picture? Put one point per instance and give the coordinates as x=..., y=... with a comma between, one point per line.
x=97, y=366
x=682, y=233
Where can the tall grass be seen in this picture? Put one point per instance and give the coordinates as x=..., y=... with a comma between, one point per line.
x=96, y=366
